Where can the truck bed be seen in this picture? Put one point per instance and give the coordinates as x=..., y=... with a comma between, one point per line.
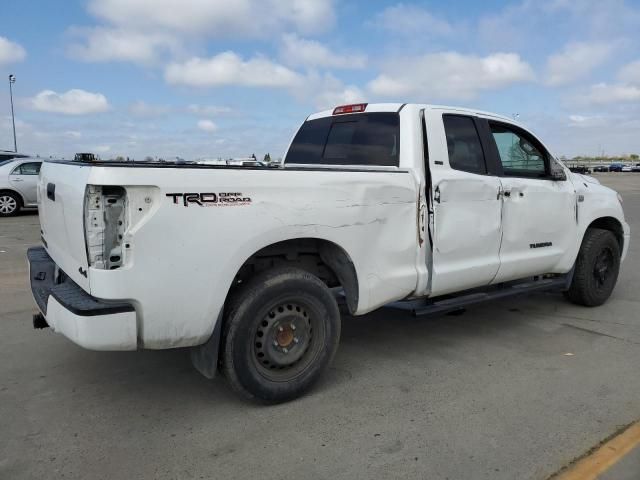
x=190, y=227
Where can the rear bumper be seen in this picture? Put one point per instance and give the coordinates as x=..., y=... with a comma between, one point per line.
x=88, y=321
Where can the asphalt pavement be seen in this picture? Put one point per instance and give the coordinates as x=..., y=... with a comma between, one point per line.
x=515, y=389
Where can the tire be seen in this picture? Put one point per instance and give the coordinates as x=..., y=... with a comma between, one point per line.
x=596, y=270
x=279, y=335
x=9, y=204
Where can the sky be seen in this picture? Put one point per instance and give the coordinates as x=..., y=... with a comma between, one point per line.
x=228, y=78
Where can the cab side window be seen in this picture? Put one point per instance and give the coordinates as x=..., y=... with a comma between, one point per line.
x=463, y=144
x=519, y=154
x=27, y=169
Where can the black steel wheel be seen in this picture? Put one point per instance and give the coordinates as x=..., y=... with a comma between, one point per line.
x=280, y=333
x=597, y=268
x=284, y=341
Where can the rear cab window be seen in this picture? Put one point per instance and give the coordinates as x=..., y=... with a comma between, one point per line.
x=369, y=139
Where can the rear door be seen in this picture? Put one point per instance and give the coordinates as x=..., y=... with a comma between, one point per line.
x=538, y=212
x=24, y=178
x=466, y=224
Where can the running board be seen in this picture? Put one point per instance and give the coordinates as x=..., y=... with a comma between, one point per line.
x=450, y=304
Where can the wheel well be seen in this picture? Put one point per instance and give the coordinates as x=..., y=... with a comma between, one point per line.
x=7, y=190
x=324, y=259
x=611, y=224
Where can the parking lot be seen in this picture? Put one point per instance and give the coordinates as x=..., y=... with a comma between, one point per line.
x=515, y=389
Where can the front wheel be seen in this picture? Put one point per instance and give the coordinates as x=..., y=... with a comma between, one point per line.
x=596, y=270
x=280, y=334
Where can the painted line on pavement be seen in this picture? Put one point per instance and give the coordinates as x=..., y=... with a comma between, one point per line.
x=603, y=457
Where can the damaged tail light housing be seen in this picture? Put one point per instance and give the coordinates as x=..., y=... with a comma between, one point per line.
x=104, y=225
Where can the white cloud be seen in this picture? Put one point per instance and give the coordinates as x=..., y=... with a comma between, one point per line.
x=101, y=44
x=585, y=121
x=136, y=139
x=575, y=61
x=412, y=19
x=519, y=22
x=208, y=109
x=228, y=68
x=207, y=126
x=604, y=94
x=326, y=91
x=509, y=27
x=602, y=19
x=72, y=134
x=578, y=118
x=332, y=98
x=141, y=31
x=140, y=108
x=143, y=109
x=311, y=53
x=216, y=18
x=72, y=102
x=630, y=73
x=449, y=75
x=613, y=133
x=10, y=52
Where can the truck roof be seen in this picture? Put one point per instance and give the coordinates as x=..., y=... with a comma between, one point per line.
x=396, y=107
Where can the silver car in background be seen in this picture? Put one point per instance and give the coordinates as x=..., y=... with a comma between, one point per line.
x=18, y=182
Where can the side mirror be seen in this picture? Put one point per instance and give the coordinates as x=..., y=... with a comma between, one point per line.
x=557, y=172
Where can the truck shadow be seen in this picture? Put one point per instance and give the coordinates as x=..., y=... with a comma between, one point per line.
x=387, y=337
x=30, y=212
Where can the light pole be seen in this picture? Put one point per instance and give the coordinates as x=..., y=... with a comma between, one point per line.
x=12, y=80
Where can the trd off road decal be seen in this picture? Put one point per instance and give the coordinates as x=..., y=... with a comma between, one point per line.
x=222, y=199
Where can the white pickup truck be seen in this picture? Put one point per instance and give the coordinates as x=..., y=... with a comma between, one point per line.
x=423, y=207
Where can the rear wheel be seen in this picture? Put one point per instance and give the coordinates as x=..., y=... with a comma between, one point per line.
x=596, y=270
x=280, y=334
x=9, y=204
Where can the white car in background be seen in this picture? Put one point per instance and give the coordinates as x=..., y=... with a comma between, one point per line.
x=18, y=184
x=627, y=168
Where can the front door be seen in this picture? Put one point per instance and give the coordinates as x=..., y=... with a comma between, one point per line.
x=538, y=212
x=466, y=224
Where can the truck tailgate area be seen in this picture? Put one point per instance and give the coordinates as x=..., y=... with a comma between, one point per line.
x=61, y=195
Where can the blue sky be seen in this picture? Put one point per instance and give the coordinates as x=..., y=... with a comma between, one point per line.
x=209, y=78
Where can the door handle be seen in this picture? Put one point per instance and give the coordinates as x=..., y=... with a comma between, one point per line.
x=18, y=180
